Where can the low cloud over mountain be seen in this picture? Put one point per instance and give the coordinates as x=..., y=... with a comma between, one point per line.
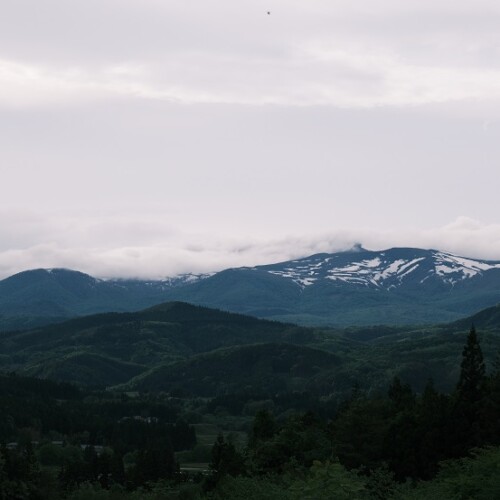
x=146, y=245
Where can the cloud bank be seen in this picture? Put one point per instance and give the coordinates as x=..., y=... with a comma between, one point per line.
x=116, y=247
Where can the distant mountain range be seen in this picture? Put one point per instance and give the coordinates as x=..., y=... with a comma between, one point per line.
x=43, y=296
x=357, y=287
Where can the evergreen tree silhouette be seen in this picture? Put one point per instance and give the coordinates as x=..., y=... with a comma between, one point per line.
x=472, y=373
x=469, y=393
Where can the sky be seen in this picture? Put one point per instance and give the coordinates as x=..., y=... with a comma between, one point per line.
x=148, y=138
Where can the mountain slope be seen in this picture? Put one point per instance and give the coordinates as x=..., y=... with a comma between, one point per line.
x=399, y=286
x=358, y=287
x=41, y=296
x=487, y=319
x=265, y=368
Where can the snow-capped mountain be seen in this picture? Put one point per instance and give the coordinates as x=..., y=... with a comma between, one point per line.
x=356, y=287
x=359, y=286
x=178, y=280
x=387, y=269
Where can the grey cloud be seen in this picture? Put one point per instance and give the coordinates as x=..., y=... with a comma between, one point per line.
x=251, y=170
x=326, y=53
x=179, y=251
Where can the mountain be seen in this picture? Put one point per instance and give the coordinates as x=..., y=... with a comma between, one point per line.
x=43, y=296
x=399, y=286
x=357, y=287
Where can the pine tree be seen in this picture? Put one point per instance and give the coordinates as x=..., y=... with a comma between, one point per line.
x=472, y=374
x=263, y=428
x=401, y=395
x=225, y=458
x=3, y=478
x=469, y=393
x=433, y=419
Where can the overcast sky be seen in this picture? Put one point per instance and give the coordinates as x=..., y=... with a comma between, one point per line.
x=152, y=137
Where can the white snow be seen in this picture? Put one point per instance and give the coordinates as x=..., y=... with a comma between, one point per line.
x=440, y=270
x=401, y=276
x=460, y=267
x=380, y=272
x=390, y=270
x=306, y=281
x=371, y=263
x=410, y=263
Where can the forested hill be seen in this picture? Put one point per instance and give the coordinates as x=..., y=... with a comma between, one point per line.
x=108, y=349
x=183, y=328
x=486, y=319
x=265, y=368
x=133, y=348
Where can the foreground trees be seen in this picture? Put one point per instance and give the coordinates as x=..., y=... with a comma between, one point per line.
x=399, y=445
x=386, y=442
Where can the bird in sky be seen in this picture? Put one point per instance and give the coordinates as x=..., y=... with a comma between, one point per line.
x=268, y=12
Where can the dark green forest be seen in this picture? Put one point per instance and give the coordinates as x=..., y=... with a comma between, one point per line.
x=198, y=352
x=269, y=439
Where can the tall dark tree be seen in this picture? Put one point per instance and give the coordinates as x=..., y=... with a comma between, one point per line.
x=225, y=458
x=433, y=417
x=472, y=373
x=263, y=428
x=155, y=462
x=401, y=395
x=469, y=393
x=490, y=407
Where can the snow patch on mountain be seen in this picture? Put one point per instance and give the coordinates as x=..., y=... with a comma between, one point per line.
x=374, y=271
x=454, y=269
x=175, y=281
x=382, y=269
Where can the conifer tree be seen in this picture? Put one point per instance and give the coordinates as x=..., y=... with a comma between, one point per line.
x=263, y=428
x=225, y=458
x=469, y=392
x=3, y=478
x=472, y=373
x=401, y=395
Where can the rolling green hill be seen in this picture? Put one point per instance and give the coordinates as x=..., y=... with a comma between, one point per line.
x=108, y=348
x=486, y=319
x=266, y=368
x=198, y=351
x=84, y=366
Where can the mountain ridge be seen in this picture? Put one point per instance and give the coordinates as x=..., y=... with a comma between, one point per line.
x=357, y=287
x=354, y=287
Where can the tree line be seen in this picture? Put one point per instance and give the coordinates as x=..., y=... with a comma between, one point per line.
x=396, y=445
x=390, y=440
